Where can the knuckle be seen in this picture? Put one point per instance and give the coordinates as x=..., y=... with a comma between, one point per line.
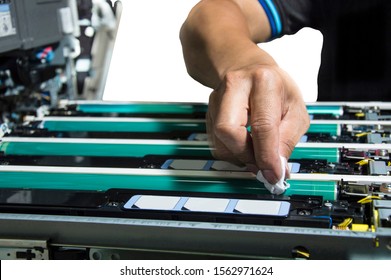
x=233, y=76
x=236, y=79
x=224, y=131
x=267, y=74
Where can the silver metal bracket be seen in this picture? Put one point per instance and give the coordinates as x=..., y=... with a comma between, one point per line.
x=23, y=249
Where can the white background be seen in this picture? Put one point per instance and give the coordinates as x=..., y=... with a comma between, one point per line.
x=282, y=269
x=147, y=63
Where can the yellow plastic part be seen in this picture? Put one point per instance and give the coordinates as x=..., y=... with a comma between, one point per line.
x=360, y=114
x=360, y=227
x=362, y=134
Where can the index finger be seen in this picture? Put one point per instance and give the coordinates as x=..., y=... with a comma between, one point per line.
x=231, y=118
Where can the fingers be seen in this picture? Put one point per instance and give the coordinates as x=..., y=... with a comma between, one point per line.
x=279, y=118
x=227, y=120
x=271, y=103
x=218, y=149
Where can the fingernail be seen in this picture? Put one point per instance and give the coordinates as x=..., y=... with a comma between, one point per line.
x=270, y=176
x=287, y=171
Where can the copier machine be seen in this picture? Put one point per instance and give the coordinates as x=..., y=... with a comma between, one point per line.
x=82, y=178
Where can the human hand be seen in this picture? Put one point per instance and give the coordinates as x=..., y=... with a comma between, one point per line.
x=268, y=100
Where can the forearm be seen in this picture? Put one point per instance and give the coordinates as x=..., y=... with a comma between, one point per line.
x=221, y=35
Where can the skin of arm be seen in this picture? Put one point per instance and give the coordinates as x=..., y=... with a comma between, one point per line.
x=219, y=41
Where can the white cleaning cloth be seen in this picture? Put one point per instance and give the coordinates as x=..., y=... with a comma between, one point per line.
x=281, y=185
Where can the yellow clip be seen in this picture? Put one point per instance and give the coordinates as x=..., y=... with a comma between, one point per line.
x=345, y=223
x=364, y=162
x=368, y=199
x=363, y=134
x=360, y=227
x=361, y=114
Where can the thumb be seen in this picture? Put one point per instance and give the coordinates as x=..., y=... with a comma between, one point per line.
x=266, y=113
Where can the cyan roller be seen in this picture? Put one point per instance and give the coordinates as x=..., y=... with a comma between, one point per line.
x=173, y=108
x=329, y=154
x=332, y=110
x=108, y=148
x=74, y=147
x=331, y=128
x=163, y=108
x=103, y=182
x=326, y=189
x=122, y=126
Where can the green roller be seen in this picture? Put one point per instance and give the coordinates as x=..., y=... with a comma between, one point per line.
x=326, y=189
x=333, y=129
x=60, y=180
x=147, y=108
x=102, y=182
x=333, y=110
x=173, y=108
x=139, y=149
x=123, y=126
x=329, y=154
x=101, y=149
x=152, y=126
